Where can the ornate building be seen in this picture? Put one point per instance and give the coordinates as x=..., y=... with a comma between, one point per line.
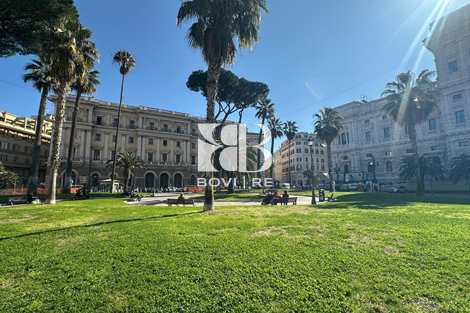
x=17, y=141
x=372, y=145
x=294, y=158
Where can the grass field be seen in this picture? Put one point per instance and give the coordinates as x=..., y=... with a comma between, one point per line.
x=364, y=253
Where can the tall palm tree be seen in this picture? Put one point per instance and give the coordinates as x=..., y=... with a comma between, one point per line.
x=290, y=130
x=126, y=63
x=39, y=73
x=264, y=110
x=426, y=166
x=277, y=131
x=328, y=124
x=410, y=102
x=217, y=25
x=85, y=83
x=64, y=55
x=460, y=169
x=128, y=162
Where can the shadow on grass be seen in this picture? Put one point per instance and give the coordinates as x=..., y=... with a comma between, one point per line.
x=377, y=201
x=139, y=219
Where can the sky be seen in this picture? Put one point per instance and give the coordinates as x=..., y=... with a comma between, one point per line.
x=311, y=54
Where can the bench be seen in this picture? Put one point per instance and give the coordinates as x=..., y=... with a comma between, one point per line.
x=171, y=202
x=282, y=201
x=17, y=200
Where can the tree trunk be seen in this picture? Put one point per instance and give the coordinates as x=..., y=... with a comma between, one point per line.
x=57, y=140
x=260, y=136
x=68, y=168
x=128, y=178
x=330, y=166
x=271, y=170
x=36, y=157
x=113, y=173
x=414, y=147
x=213, y=74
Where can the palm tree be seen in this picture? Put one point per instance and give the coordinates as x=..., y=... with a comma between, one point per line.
x=128, y=162
x=290, y=130
x=276, y=128
x=218, y=24
x=86, y=83
x=460, y=169
x=328, y=124
x=409, y=103
x=39, y=73
x=126, y=63
x=426, y=166
x=264, y=109
x=64, y=55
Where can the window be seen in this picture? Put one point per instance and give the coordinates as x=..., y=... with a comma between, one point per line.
x=368, y=137
x=114, y=139
x=98, y=137
x=178, y=144
x=165, y=143
x=343, y=138
x=464, y=143
x=131, y=140
x=453, y=66
x=387, y=133
x=150, y=141
x=96, y=155
x=132, y=124
x=457, y=97
x=178, y=158
x=432, y=124
x=193, y=160
x=115, y=122
x=152, y=125
x=178, y=130
x=389, y=166
x=165, y=127
x=193, y=145
x=460, y=117
x=388, y=153
x=99, y=120
x=150, y=157
x=164, y=157
x=113, y=153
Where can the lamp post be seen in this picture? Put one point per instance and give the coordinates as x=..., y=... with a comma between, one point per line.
x=312, y=170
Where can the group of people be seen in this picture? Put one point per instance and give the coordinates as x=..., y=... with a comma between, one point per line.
x=273, y=198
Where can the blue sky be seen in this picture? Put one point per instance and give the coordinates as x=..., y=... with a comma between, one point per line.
x=311, y=53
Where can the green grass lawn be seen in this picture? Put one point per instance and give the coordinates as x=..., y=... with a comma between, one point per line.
x=364, y=253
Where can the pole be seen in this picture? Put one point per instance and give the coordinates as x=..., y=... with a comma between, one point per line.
x=117, y=136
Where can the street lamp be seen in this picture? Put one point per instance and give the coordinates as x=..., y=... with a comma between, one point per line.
x=312, y=169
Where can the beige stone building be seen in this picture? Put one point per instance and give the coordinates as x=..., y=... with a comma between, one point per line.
x=16, y=144
x=294, y=158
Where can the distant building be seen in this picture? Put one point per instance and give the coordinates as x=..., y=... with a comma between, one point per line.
x=16, y=144
x=371, y=145
x=293, y=159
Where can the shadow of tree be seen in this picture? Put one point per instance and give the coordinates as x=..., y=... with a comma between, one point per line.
x=377, y=201
x=138, y=219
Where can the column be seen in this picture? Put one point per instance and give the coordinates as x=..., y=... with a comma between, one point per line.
x=81, y=152
x=87, y=144
x=106, y=152
x=123, y=143
x=143, y=148
x=157, y=142
x=139, y=147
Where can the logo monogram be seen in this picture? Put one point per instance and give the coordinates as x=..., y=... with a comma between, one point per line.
x=232, y=147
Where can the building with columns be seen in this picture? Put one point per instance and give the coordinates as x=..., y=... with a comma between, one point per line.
x=165, y=140
x=371, y=145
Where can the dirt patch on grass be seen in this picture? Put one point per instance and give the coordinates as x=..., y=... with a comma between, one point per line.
x=270, y=231
x=67, y=242
x=424, y=304
x=119, y=302
x=6, y=283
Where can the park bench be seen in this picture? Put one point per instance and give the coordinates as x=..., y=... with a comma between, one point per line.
x=289, y=201
x=171, y=202
x=17, y=200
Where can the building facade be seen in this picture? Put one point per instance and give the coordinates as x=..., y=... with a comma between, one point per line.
x=371, y=145
x=166, y=141
x=295, y=157
x=17, y=141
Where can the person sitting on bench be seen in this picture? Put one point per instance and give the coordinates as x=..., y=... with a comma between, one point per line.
x=276, y=198
x=181, y=199
x=285, y=198
x=267, y=199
